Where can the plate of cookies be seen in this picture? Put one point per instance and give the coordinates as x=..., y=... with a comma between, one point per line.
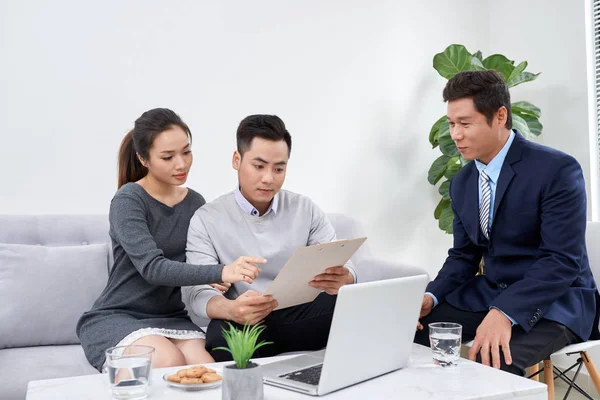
x=194, y=378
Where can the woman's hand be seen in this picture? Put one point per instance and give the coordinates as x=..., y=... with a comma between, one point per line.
x=222, y=287
x=244, y=269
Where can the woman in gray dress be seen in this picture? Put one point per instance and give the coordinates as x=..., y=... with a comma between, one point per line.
x=149, y=219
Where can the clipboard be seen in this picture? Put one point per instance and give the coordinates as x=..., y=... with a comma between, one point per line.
x=290, y=286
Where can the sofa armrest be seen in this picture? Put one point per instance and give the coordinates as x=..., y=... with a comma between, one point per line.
x=374, y=269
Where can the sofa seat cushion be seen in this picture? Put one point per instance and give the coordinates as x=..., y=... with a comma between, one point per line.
x=21, y=365
x=44, y=290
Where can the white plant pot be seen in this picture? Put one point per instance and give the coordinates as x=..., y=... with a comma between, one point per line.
x=242, y=384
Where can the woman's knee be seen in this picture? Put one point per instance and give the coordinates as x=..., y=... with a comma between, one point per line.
x=169, y=357
x=166, y=354
x=194, y=351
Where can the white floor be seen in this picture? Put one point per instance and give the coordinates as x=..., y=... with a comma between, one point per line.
x=559, y=393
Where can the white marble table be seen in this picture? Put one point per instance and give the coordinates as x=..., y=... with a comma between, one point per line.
x=420, y=380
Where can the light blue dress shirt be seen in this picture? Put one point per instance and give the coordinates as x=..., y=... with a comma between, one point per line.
x=493, y=172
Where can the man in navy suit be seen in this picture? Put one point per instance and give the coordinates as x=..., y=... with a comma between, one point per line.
x=522, y=208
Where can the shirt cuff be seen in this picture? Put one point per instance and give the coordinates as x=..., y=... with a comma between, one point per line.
x=353, y=272
x=200, y=301
x=512, y=321
x=435, y=300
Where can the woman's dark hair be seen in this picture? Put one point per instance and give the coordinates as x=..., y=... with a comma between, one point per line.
x=488, y=90
x=140, y=139
x=269, y=127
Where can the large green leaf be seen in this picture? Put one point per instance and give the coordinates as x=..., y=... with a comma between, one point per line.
x=525, y=107
x=441, y=205
x=443, y=190
x=534, y=124
x=454, y=59
x=521, y=125
x=437, y=169
x=446, y=219
x=521, y=78
x=447, y=145
x=444, y=128
x=476, y=64
x=499, y=63
x=517, y=71
x=452, y=170
x=434, y=132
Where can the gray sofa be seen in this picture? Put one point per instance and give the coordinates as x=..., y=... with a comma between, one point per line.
x=53, y=267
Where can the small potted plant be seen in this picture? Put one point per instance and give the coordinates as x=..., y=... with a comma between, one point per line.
x=242, y=379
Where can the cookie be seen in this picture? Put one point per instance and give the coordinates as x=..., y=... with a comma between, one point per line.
x=212, y=371
x=187, y=381
x=211, y=377
x=196, y=372
x=182, y=373
x=174, y=378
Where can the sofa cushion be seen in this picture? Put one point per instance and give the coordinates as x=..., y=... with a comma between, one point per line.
x=20, y=366
x=44, y=291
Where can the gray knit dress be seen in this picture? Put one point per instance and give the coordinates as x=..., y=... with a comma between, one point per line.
x=143, y=293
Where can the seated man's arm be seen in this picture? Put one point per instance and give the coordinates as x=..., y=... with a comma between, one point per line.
x=200, y=251
x=461, y=264
x=250, y=307
x=558, y=264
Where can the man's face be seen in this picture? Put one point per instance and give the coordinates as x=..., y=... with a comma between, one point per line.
x=474, y=137
x=261, y=170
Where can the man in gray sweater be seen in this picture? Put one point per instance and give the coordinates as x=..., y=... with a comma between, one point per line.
x=258, y=218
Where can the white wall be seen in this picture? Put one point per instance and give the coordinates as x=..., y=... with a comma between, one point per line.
x=352, y=80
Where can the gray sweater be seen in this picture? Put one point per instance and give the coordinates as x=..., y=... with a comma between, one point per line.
x=221, y=231
x=143, y=289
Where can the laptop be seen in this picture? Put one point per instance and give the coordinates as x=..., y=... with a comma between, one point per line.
x=373, y=326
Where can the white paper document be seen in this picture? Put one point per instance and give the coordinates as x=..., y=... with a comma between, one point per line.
x=290, y=287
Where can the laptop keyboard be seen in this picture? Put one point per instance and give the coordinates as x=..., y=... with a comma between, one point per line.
x=310, y=375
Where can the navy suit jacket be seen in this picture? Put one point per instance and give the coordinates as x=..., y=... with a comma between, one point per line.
x=536, y=263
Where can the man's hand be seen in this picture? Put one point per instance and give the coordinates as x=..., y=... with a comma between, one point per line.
x=494, y=332
x=332, y=280
x=222, y=287
x=251, y=307
x=243, y=269
x=426, y=308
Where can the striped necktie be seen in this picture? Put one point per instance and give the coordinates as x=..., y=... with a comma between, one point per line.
x=484, y=207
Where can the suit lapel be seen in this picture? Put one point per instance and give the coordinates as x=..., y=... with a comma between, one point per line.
x=507, y=172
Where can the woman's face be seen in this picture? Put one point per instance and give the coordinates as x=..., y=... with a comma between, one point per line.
x=170, y=157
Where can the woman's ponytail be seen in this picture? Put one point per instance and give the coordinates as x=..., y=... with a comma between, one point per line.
x=130, y=167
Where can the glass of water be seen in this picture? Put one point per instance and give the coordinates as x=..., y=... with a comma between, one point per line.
x=129, y=371
x=445, y=338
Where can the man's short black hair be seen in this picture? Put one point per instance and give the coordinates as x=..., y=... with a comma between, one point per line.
x=269, y=127
x=488, y=90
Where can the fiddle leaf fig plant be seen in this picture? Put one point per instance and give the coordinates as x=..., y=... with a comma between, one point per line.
x=525, y=118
